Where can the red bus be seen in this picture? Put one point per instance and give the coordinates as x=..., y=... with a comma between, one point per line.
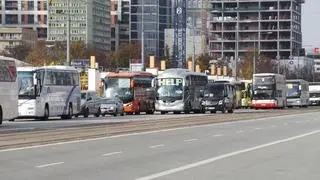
x=269, y=91
x=133, y=88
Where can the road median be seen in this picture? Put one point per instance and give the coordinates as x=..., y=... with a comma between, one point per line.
x=21, y=139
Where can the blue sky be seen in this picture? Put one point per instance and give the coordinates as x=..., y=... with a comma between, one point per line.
x=311, y=23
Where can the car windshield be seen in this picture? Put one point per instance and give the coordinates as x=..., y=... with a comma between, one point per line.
x=212, y=91
x=26, y=84
x=169, y=88
x=110, y=102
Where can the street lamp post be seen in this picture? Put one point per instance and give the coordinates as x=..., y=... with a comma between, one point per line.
x=142, y=34
x=68, y=35
x=254, y=57
x=193, y=41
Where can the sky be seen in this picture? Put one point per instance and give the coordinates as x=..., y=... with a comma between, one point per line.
x=311, y=23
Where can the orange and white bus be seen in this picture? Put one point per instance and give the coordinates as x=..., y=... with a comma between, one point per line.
x=133, y=88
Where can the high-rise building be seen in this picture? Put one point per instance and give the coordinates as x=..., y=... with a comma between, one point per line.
x=89, y=22
x=25, y=14
x=271, y=26
x=120, y=17
x=151, y=18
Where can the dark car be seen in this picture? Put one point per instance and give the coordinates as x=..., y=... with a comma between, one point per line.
x=219, y=97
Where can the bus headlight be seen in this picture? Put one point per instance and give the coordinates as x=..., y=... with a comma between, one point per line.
x=220, y=102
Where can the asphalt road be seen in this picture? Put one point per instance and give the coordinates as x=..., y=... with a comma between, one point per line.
x=283, y=148
x=22, y=125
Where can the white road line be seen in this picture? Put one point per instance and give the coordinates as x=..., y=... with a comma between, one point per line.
x=217, y=135
x=239, y=132
x=285, y=124
x=51, y=164
x=224, y=156
x=190, y=140
x=150, y=132
x=112, y=153
x=156, y=146
x=257, y=128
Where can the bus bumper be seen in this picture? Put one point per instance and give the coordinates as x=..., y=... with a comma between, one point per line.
x=177, y=106
x=27, y=108
x=293, y=102
x=264, y=104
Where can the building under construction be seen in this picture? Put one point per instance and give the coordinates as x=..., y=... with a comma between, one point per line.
x=271, y=26
x=25, y=14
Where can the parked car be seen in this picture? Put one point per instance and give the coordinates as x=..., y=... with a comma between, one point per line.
x=112, y=106
x=90, y=104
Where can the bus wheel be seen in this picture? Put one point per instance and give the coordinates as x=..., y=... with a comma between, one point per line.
x=163, y=112
x=137, y=112
x=1, y=116
x=45, y=114
x=187, y=109
x=98, y=113
x=230, y=111
x=213, y=112
x=70, y=112
x=86, y=113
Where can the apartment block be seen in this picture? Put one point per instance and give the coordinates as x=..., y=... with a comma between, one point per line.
x=89, y=22
x=25, y=14
x=271, y=26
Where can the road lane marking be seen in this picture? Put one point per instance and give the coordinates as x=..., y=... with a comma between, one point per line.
x=156, y=146
x=112, y=153
x=257, y=128
x=51, y=164
x=217, y=135
x=224, y=156
x=285, y=124
x=152, y=132
x=240, y=131
x=190, y=140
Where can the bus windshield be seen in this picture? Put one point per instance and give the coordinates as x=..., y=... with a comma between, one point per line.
x=293, y=90
x=169, y=88
x=26, y=85
x=263, y=94
x=263, y=80
x=315, y=95
x=214, y=91
x=120, y=87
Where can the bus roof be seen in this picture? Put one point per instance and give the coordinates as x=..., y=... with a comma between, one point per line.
x=296, y=80
x=178, y=72
x=267, y=74
x=314, y=83
x=32, y=68
x=128, y=74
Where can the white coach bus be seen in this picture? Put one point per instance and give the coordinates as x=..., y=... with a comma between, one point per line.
x=8, y=90
x=179, y=90
x=49, y=91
